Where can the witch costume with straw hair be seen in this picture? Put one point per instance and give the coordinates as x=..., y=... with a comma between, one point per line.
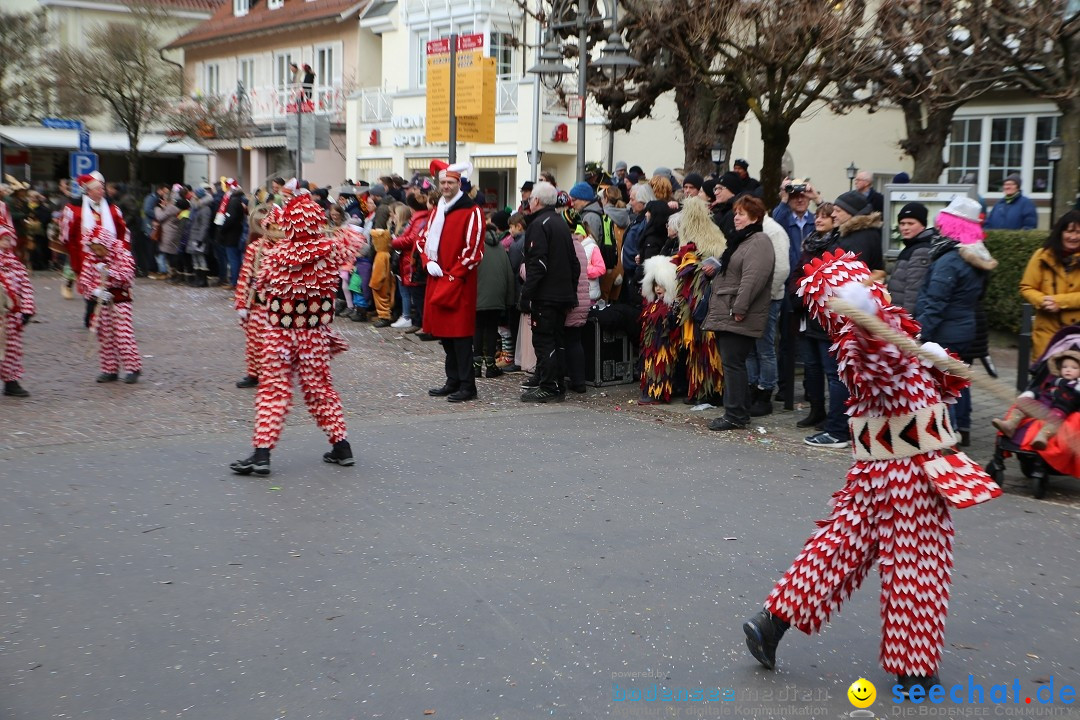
x=660, y=331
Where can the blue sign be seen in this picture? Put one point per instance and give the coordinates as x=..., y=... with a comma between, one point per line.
x=84, y=140
x=62, y=123
x=81, y=163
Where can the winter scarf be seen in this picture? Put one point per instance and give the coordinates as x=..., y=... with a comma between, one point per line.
x=737, y=238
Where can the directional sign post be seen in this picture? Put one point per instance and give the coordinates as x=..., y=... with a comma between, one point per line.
x=84, y=161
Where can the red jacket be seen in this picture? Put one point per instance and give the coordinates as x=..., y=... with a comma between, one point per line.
x=406, y=242
x=71, y=232
x=450, y=300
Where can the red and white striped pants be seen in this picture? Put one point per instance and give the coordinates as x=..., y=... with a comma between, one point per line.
x=116, y=339
x=12, y=367
x=889, y=512
x=254, y=332
x=306, y=353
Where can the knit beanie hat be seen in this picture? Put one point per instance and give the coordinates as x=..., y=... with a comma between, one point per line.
x=854, y=203
x=582, y=191
x=709, y=188
x=694, y=179
x=914, y=211
x=731, y=181
x=501, y=220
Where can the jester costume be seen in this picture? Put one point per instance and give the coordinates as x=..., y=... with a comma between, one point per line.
x=298, y=279
x=106, y=276
x=894, y=507
x=701, y=240
x=16, y=307
x=660, y=330
x=251, y=309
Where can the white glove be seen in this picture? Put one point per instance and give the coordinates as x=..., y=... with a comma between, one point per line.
x=934, y=349
x=101, y=267
x=858, y=295
x=243, y=313
x=433, y=269
x=103, y=295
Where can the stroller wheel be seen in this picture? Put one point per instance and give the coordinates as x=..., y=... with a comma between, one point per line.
x=1039, y=484
x=995, y=471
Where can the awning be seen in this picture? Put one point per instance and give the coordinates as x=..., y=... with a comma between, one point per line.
x=421, y=163
x=263, y=141
x=43, y=137
x=374, y=163
x=494, y=162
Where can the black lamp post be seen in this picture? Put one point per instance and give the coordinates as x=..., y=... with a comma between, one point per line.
x=1054, y=150
x=852, y=171
x=719, y=157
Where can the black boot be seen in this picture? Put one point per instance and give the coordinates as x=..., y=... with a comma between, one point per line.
x=763, y=633
x=908, y=682
x=132, y=377
x=14, y=389
x=760, y=402
x=107, y=377
x=249, y=381
x=448, y=388
x=817, y=415
x=258, y=463
x=478, y=367
x=467, y=391
x=491, y=370
x=341, y=454
x=200, y=279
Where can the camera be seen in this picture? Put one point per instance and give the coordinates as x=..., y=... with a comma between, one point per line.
x=794, y=188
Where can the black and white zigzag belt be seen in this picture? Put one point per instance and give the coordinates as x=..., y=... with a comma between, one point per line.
x=900, y=436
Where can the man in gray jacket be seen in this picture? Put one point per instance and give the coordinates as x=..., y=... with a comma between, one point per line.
x=914, y=260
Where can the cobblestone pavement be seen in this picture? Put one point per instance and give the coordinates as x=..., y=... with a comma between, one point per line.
x=193, y=355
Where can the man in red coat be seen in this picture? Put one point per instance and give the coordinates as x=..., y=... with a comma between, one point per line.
x=80, y=217
x=452, y=250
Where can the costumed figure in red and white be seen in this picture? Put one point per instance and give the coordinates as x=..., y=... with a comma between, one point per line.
x=79, y=217
x=894, y=506
x=16, y=307
x=108, y=270
x=265, y=229
x=452, y=250
x=298, y=279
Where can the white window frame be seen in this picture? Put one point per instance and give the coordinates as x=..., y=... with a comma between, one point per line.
x=275, y=4
x=211, y=79
x=335, y=50
x=282, y=78
x=251, y=62
x=420, y=38
x=241, y=7
x=509, y=69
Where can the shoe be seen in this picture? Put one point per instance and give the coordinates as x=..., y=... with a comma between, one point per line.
x=965, y=438
x=358, y=315
x=1007, y=426
x=515, y=368
x=646, y=400
x=66, y=292
x=382, y=322
x=462, y=394
x=1046, y=433
x=817, y=415
x=412, y=329
x=763, y=633
x=132, y=377
x=401, y=323
x=249, y=381
x=12, y=388
x=579, y=389
x=761, y=402
x=907, y=682
x=532, y=382
x=107, y=377
x=258, y=463
x=449, y=388
x=542, y=395
x=339, y=307
x=426, y=337
x=824, y=439
x=724, y=423
x=491, y=369
x=341, y=454
x=478, y=367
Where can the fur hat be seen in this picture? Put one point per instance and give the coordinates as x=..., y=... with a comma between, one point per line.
x=659, y=270
x=1054, y=363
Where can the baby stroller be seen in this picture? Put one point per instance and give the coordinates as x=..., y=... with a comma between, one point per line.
x=1039, y=465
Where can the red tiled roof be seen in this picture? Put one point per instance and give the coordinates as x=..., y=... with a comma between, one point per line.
x=203, y=5
x=295, y=13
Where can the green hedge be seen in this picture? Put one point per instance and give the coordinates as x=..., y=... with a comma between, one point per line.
x=1012, y=249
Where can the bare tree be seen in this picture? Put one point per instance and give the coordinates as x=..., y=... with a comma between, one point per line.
x=784, y=56
x=120, y=69
x=24, y=79
x=1041, y=38
x=930, y=57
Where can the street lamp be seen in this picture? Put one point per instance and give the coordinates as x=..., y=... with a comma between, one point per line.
x=852, y=171
x=719, y=157
x=1054, y=150
x=614, y=56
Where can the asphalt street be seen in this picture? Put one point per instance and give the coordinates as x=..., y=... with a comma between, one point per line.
x=499, y=560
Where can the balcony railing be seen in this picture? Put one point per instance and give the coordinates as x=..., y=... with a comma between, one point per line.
x=375, y=105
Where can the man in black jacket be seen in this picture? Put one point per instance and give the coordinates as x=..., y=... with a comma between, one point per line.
x=551, y=278
x=229, y=219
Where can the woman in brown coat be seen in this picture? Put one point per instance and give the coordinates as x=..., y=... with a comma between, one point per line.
x=739, y=305
x=1051, y=282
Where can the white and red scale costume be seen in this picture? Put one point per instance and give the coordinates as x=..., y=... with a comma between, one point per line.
x=15, y=284
x=114, y=274
x=894, y=507
x=298, y=279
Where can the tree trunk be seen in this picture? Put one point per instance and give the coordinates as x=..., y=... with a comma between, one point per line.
x=775, y=136
x=707, y=115
x=133, y=158
x=1067, y=180
x=925, y=141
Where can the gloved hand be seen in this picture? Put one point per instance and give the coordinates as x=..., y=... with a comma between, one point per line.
x=243, y=313
x=525, y=306
x=101, y=267
x=433, y=269
x=103, y=295
x=26, y=318
x=858, y=295
x=934, y=349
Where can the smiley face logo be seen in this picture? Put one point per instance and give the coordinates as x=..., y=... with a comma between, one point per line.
x=862, y=693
